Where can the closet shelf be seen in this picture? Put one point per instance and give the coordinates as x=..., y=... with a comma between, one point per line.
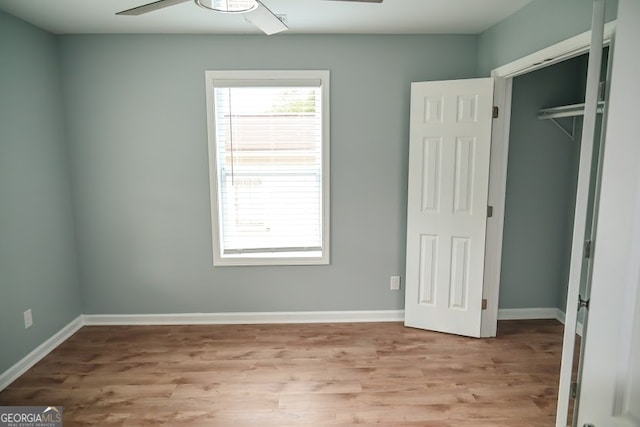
x=566, y=111
x=573, y=111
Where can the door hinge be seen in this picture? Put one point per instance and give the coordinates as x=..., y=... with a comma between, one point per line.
x=588, y=248
x=602, y=90
x=496, y=112
x=574, y=390
x=484, y=303
x=489, y=211
x=582, y=303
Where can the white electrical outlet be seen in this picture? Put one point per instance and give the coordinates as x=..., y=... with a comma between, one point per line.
x=395, y=283
x=28, y=319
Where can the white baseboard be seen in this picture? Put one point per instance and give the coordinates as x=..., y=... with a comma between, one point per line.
x=579, y=328
x=245, y=318
x=579, y=324
x=24, y=364
x=530, y=313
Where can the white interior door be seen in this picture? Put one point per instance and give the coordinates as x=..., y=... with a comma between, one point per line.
x=583, y=189
x=610, y=391
x=449, y=153
x=610, y=394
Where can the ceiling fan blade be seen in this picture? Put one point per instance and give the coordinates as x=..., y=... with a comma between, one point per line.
x=266, y=20
x=146, y=8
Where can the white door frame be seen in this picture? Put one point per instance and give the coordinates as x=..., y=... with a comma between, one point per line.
x=503, y=76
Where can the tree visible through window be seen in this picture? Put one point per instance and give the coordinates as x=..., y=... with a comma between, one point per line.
x=269, y=160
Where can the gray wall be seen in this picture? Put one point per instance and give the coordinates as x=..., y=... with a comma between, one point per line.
x=37, y=248
x=536, y=26
x=137, y=129
x=541, y=181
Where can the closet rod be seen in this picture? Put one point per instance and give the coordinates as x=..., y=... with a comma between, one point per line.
x=566, y=111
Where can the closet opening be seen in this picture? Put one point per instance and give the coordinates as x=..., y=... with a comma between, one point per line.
x=544, y=153
x=538, y=159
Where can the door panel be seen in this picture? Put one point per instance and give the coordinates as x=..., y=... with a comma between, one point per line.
x=449, y=151
x=610, y=391
x=583, y=190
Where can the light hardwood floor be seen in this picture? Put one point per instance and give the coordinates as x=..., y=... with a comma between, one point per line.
x=299, y=375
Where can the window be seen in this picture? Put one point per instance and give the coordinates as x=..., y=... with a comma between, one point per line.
x=269, y=166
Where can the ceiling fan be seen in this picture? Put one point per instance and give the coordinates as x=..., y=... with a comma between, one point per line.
x=254, y=11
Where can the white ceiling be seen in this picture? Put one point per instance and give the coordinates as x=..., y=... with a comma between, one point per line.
x=303, y=16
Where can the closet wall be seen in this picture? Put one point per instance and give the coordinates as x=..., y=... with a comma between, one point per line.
x=541, y=185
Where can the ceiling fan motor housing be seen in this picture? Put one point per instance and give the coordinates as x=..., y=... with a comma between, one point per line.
x=228, y=6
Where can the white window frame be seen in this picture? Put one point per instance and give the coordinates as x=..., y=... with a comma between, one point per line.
x=267, y=78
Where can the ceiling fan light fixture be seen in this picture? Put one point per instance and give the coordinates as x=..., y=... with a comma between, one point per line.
x=228, y=6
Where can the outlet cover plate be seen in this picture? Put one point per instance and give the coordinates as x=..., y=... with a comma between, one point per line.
x=395, y=283
x=28, y=319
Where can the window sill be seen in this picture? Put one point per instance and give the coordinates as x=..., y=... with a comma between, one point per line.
x=277, y=259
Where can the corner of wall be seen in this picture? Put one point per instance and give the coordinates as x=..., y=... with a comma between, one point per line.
x=38, y=266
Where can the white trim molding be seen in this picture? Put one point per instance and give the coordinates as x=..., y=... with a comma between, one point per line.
x=27, y=362
x=245, y=318
x=531, y=313
x=497, y=191
x=566, y=49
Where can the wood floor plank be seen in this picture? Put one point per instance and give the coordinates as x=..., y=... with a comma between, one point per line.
x=299, y=375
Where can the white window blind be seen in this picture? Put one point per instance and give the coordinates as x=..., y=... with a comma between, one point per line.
x=269, y=168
